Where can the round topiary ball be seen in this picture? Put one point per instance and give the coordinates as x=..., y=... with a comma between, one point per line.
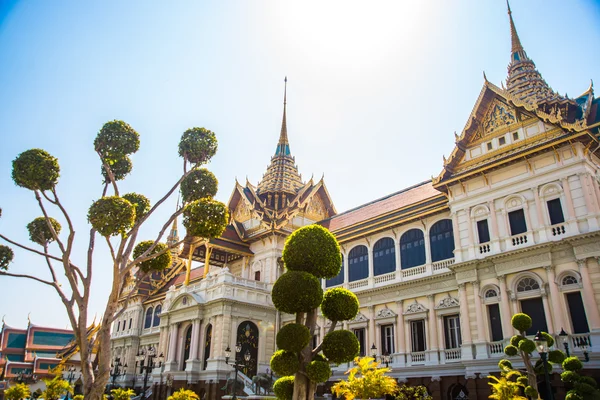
x=340, y=346
x=521, y=322
x=569, y=376
x=523, y=380
x=285, y=363
x=556, y=356
x=197, y=145
x=526, y=345
x=6, y=256
x=205, y=218
x=589, y=380
x=572, y=364
x=573, y=395
x=111, y=215
x=116, y=139
x=140, y=202
x=516, y=339
x=504, y=364
x=120, y=167
x=157, y=263
x=511, y=350
x=313, y=249
x=39, y=231
x=531, y=392
x=296, y=291
x=319, y=357
x=293, y=337
x=539, y=367
x=284, y=388
x=199, y=184
x=584, y=388
x=549, y=339
x=35, y=169
x=318, y=371
x=339, y=304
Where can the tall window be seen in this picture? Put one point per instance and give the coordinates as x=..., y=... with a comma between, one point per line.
x=384, y=256
x=257, y=275
x=360, y=335
x=555, y=211
x=207, y=343
x=495, y=322
x=517, y=222
x=387, y=339
x=412, y=249
x=417, y=334
x=441, y=238
x=148, y=319
x=483, y=231
x=535, y=309
x=130, y=321
x=337, y=280
x=118, y=325
x=358, y=263
x=577, y=312
x=452, y=331
x=157, y=312
x=187, y=343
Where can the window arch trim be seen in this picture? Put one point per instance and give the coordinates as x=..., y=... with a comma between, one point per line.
x=493, y=299
x=384, y=259
x=148, y=317
x=529, y=293
x=514, y=202
x=563, y=287
x=358, y=263
x=415, y=259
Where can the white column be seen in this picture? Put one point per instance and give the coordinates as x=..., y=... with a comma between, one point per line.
x=528, y=221
x=195, y=339
x=171, y=364
x=540, y=215
x=398, y=261
x=568, y=198
x=481, y=342
x=506, y=223
x=495, y=236
x=458, y=256
x=427, y=248
x=547, y=311
x=465, y=323
x=507, y=329
x=370, y=258
x=556, y=311
x=345, y=262
x=589, y=299
x=400, y=335
x=589, y=203
x=432, y=334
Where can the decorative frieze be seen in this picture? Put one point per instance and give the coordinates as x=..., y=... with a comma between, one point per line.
x=448, y=302
x=415, y=308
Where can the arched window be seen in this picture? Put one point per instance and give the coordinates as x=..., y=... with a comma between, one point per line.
x=148, y=319
x=338, y=279
x=130, y=322
x=384, y=256
x=527, y=284
x=412, y=249
x=247, y=337
x=490, y=293
x=157, y=312
x=207, y=343
x=118, y=325
x=569, y=280
x=187, y=343
x=358, y=263
x=441, y=238
x=532, y=306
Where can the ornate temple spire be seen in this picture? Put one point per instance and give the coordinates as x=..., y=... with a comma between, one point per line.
x=517, y=51
x=282, y=174
x=173, y=237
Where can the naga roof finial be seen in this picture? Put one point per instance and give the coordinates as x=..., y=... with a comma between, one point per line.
x=283, y=146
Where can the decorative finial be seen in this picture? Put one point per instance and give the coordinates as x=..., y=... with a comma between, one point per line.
x=29, y=318
x=517, y=51
x=444, y=157
x=285, y=91
x=485, y=77
x=3, y=321
x=456, y=137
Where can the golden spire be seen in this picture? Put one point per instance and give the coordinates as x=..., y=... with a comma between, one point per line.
x=514, y=36
x=283, y=146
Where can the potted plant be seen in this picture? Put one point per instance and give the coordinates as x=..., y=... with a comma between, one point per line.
x=17, y=392
x=366, y=380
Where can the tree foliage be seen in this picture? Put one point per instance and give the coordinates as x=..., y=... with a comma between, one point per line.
x=313, y=249
x=198, y=145
x=183, y=394
x=116, y=139
x=339, y=304
x=366, y=380
x=140, y=202
x=36, y=169
x=122, y=394
x=56, y=388
x=6, y=256
x=40, y=232
x=297, y=291
x=406, y=392
x=161, y=257
x=17, y=392
x=120, y=168
x=284, y=388
x=205, y=218
x=293, y=337
x=199, y=184
x=112, y=215
x=507, y=386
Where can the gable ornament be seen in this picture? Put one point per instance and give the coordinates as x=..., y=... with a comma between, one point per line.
x=448, y=302
x=415, y=308
x=385, y=313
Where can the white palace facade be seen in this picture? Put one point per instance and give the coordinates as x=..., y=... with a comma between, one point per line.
x=511, y=224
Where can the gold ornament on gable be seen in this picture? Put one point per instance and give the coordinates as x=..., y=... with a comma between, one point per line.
x=242, y=212
x=315, y=209
x=499, y=116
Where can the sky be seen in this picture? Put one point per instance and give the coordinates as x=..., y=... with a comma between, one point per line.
x=375, y=92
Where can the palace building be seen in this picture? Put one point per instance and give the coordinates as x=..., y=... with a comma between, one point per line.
x=510, y=224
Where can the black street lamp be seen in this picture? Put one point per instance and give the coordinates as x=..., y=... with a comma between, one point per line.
x=70, y=378
x=147, y=367
x=542, y=348
x=580, y=342
x=236, y=364
x=116, y=370
x=386, y=359
x=374, y=352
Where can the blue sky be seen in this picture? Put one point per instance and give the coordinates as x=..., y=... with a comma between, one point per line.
x=375, y=92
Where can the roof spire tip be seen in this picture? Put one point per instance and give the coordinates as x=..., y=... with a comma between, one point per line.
x=485, y=77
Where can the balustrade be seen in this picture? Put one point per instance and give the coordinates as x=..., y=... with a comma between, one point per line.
x=558, y=229
x=385, y=277
x=417, y=357
x=414, y=271
x=442, y=265
x=452, y=355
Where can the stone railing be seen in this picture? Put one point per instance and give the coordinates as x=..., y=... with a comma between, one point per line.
x=442, y=265
x=496, y=349
x=385, y=277
x=421, y=269
x=519, y=240
x=558, y=229
x=417, y=357
x=358, y=284
x=452, y=355
x=484, y=248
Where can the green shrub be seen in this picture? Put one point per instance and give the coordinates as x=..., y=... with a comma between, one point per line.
x=511, y=350
x=39, y=231
x=111, y=215
x=572, y=364
x=205, y=218
x=523, y=380
x=35, y=169
x=140, y=202
x=584, y=388
x=339, y=304
x=569, y=376
x=588, y=379
x=158, y=263
x=116, y=139
x=531, y=392
x=6, y=256
x=120, y=168
x=340, y=346
x=504, y=364
x=296, y=291
x=556, y=356
x=313, y=249
x=521, y=322
x=285, y=363
x=293, y=337
x=549, y=338
x=319, y=357
x=539, y=367
x=318, y=371
x=284, y=388
x=516, y=339
x=526, y=345
x=573, y=395
x=199, y=184
x=198, y=145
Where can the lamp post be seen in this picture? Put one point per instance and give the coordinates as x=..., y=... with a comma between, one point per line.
x=386, y=359
x=542, y=348
x=116, y=370
x=146, y=367
x=374, y=352
x=580, y=342
x=236, y=364
x=564, y=337
x=70, y=377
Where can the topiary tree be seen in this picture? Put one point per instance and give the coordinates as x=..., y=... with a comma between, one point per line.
x=365, y=381
x=183, y=394
x=117, y=219
x=581, y=387
x=56, y=388
x=17, y=392
x=406, y=392
x=310, y=253
x=122, y=394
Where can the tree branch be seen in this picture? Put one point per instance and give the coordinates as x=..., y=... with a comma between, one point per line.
x=32, y=250
x=111, y=176
x=331, y=329
x=28, y=277
x=112, y=250
x=126, y=299
x=54, y=234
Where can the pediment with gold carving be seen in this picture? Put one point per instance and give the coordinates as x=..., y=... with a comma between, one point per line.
x=315, y=209
x=242, y=212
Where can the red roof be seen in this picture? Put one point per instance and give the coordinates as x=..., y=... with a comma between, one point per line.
x=384, y=205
